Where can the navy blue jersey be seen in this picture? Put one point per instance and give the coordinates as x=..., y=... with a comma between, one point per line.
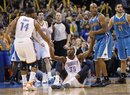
x=95, y=26
x=121, y=26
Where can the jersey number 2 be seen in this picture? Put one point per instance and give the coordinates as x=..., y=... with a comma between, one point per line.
x=24, y=26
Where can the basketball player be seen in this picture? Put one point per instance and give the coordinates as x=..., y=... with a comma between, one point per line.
x=15, y=65
x=99, y=38
x=120, y=21
x=43, y=48
x=72, y=65
x=24, y=27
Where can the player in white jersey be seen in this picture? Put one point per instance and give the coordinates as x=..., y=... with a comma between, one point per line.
x=42, y=47
x=24, y=27
x=72, y=64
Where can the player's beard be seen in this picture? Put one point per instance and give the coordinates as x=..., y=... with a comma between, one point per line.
x=120, y=11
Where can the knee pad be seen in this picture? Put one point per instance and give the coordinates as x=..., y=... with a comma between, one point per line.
x=23, y=66
x=34, y=65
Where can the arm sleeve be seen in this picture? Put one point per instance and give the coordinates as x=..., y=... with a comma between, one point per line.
x=67, y=28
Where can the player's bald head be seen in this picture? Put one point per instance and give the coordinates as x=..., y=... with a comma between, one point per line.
x=93, y=8
x=93, y=5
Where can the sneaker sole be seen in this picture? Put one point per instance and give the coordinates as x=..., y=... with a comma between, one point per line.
x=57, y=87
x=98, y=85
x=54, y=86
x=120, y=82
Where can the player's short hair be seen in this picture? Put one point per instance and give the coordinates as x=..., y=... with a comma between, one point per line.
x=118, y=3
x=29, y=10
x=39, y=12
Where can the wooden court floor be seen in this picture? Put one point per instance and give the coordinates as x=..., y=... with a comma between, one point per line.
x=112, y=89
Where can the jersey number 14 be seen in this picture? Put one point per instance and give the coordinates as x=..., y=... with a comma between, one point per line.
x=24, y=26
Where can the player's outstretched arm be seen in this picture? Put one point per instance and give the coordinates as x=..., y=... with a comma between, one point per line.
x=56, y=58
x=87, y=53
x=110, y=24
x=11, y=27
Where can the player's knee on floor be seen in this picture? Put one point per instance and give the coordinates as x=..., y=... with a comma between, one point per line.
x=84, y=70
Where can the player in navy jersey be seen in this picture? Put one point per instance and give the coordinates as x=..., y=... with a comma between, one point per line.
x=120, y=21
x=99, y=41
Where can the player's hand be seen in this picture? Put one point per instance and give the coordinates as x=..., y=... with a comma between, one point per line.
x=51, y=44
x=66, y=46
x=89, y=53
x=91, y=34
x=42, y=44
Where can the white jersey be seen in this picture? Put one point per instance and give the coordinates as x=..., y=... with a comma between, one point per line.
x=25, y=27
x=42, y=52
x=72, y=66
x=44, y=27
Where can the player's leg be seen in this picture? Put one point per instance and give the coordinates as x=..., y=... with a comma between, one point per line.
x=14, y=69
x=46, y=58
x=78, y=79
x=30, y=56
x=24, y=75
x=15, y=63
x=104, y=55
x=122, y=79
x=28, y=85
x=32, y=77
x=106, y=80
x=97, y=83
x=48, y=69
x=123, y=57
x=39, y=64
x=60, y=74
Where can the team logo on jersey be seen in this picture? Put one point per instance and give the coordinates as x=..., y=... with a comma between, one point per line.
x=120, y=28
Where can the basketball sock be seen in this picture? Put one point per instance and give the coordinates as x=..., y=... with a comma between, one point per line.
x=49, y=74
x=106, y=78
x=57, y=78
x=24, y=79
x=44, y=77
x=32, y=76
